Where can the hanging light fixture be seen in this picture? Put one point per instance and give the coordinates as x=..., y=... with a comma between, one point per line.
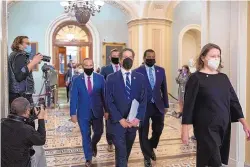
x=82, y=9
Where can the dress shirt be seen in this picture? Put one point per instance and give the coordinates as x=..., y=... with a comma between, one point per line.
x=91, y=79
x=114, y=67
x=153, y=71
x=124, y=75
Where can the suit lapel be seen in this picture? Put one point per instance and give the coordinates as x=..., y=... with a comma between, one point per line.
x=145, y=73
x=111, y=68
x=83, y=83
x=157, y=73
x=94, y=81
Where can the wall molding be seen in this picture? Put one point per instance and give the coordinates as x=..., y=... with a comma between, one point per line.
x=180, y=39
x=93, y=30
x=147, y=21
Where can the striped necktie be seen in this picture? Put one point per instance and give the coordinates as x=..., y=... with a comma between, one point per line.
x=152, y=81
x=128, y=86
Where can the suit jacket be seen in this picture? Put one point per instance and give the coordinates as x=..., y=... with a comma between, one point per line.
x=117, y=102
x=106, y=70
x=81, y=103
x=160, y=92
x=68, y=75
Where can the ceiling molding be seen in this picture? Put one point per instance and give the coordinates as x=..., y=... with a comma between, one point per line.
x=145, y=21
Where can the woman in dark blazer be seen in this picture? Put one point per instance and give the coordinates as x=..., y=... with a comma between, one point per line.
x=211, y=104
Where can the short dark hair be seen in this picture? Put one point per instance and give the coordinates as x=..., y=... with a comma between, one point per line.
x=113, y=50
x=126, y=49
x=19, y=106
x=146, y=51
x=17, y=42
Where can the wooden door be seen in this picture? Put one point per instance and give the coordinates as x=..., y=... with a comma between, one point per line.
x=83, y=53
x=61, y=64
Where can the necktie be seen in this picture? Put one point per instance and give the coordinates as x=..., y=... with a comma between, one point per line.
x=89, y=86
x=151, y=80
x=128, y=86
x=116, y=68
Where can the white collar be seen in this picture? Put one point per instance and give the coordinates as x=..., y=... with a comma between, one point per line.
x=124, y=71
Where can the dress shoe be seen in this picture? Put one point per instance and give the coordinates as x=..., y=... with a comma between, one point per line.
x=94, y=150
x=147, y=163
x=153, y=156
x=88, y=163
x=110, y=148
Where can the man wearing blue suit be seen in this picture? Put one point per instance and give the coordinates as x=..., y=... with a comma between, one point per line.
x=122, y=88
x=87, y=107
x=105, y=71
x=157, y=102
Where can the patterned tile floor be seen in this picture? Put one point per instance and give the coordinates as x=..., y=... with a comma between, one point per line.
x=64, y=144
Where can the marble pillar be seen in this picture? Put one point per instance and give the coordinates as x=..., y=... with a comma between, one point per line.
x=152, y=33
x=225, y=23
x=3, y=59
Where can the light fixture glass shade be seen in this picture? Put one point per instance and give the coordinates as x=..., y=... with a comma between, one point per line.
x=99, y=2
x=64, y=3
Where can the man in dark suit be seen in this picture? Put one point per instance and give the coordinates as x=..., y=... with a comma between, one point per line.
x=157, y=103
x=68, y=77
x=122, y=88
x=87, y=107
x=114, y=66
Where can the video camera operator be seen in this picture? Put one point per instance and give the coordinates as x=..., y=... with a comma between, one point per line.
x=21, y=83
x=18, y=137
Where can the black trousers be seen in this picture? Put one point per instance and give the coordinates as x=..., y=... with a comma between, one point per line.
x=157, y=118
x=68, y=91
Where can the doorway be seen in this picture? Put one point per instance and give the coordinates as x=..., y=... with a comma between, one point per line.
x=66, y=54
x=71, y=42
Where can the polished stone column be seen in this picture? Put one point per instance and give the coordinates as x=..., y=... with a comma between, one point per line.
x=152, y=33
x=3, y=59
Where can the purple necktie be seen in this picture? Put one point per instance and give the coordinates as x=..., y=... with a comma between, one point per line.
x=89, y=85
x=117, y=67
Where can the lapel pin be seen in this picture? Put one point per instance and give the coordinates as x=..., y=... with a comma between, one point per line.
x=157, y=70
x=134, y=78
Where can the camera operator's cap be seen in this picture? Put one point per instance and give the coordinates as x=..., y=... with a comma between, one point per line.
x=19, y=106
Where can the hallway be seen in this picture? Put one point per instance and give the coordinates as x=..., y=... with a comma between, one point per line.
x=64, y=144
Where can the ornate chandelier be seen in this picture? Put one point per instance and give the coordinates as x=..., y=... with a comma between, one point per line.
x=82, y=9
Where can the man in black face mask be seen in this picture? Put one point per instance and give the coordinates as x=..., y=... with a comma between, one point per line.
x=87, y=107
x=114, y=66
x=122, y=88
x=157, y=103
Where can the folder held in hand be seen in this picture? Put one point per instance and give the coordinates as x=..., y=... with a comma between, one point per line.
x=133, y=110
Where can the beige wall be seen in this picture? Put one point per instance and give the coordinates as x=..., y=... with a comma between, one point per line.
x=190, y=46
x=248, y=84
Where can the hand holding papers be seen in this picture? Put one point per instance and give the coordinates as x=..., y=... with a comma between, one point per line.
x=133, y=112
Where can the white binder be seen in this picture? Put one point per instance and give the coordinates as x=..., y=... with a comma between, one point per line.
x=133, y=110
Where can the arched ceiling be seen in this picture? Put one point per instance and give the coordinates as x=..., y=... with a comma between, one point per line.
x=138, y=9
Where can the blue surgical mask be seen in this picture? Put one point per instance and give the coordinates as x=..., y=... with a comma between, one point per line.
x=28, y=49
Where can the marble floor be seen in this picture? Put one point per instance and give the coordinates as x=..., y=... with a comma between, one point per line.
x=64, y=144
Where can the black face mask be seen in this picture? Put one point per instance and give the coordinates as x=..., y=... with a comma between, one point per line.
x=150, y=62
x=115, y=60
x=88, y=71
x=127, y=63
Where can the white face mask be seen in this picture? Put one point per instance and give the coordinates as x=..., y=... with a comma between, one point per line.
x=214, y=63
x=80, y=70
